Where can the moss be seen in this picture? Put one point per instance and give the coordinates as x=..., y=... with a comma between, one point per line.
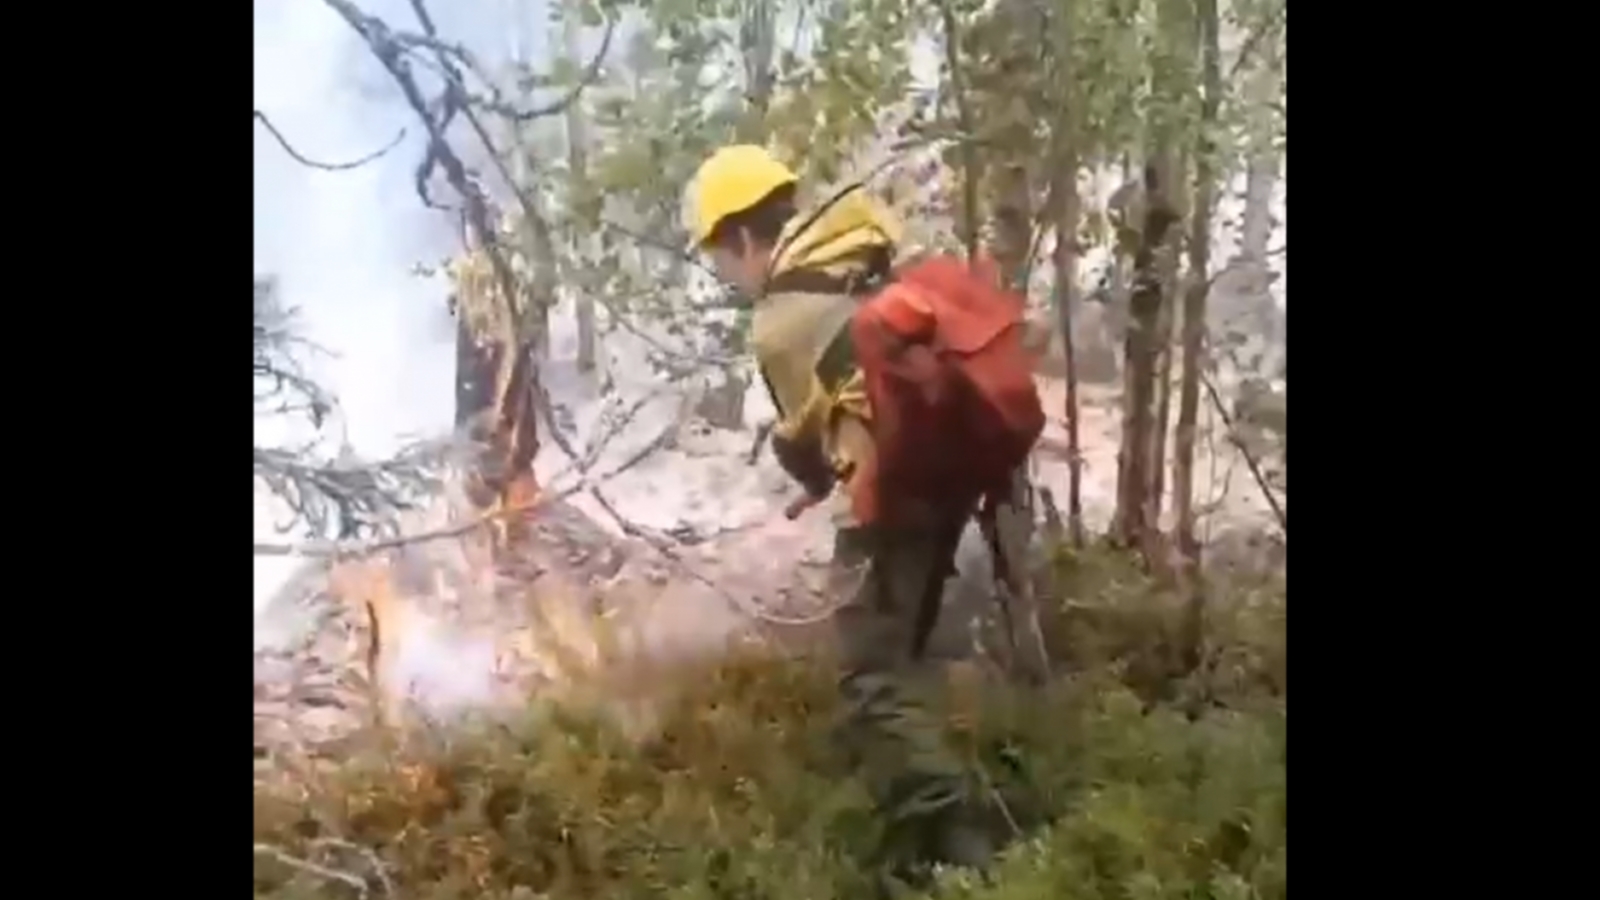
x=1122, y=786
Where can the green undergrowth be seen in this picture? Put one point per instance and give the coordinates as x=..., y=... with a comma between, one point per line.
x=1125, y=778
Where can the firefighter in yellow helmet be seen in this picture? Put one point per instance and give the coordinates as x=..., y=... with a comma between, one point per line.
x=804, y=273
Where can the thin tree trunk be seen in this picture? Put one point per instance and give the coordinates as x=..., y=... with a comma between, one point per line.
x=1242, y=297
x=1261, y=176
x=506, y=441
x=476, y=365
x=1168, y=267
x=577, y=164
x=1194, y=328
x=757, y=48
x=1011, y=224
x=476, y=370
x=1171, y=295
x=1139, y=421
x=1125, y=398
x=967, y=226
x=1009, y=169
x=1068, y=209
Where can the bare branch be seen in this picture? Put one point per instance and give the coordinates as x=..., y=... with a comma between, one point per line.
x=763, y=431
x=450, y=55
x=311, y=868
x=644, y=240
x=516, y=386
x=1268, y=28
x=360, y=884
x=748, y=605
x=598, y=443
x=300, y=158
x=281, y=385
x=590, y=74
x=623, y=320
x=514, y=376
x=1249, y=457
x=665, y=545
x=351, y=549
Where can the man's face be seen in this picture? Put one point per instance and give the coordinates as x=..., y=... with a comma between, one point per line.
x=740, y=263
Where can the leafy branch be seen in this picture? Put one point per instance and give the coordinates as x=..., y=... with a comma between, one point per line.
x=347, y=498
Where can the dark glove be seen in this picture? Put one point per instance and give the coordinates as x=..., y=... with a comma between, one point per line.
x=804, y=462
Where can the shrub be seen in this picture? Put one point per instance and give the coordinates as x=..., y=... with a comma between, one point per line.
x=1117, y=783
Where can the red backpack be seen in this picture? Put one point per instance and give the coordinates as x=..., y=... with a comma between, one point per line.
x=954, y=404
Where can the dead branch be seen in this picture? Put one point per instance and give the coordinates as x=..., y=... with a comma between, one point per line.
x=588, y=76
x=352, y=549
x=622, y=319
x=450, y=55
x=667, y=435
x=598, y=443
x=1219, y=495
x=517, y=386
x=644, y=240
x=380, y=39
x=1038, y=228
x=762, y=432
x=281, y=383
x=1244, y=451
x=664, y=546
x=1268, y=28
x=311, y=868
x=379, y=871
x=360, y=884
x=510, y=383
x=300, y=158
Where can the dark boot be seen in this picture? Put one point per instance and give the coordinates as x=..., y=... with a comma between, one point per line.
x=914, y=851
x=960, y=839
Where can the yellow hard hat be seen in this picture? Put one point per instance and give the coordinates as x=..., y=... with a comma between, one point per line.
x=732, y=180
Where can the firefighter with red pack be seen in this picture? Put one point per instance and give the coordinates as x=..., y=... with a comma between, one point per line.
x=904, y=384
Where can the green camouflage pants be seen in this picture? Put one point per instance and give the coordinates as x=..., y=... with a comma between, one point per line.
x=887, y=726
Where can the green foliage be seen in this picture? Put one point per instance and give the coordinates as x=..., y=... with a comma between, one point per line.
x=809, y=79
x=740, y=794
x=820, y=81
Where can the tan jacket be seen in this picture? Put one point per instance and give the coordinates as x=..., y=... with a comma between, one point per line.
x=791, y=330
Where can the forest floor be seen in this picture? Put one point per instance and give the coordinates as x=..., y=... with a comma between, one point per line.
x=1124, y=776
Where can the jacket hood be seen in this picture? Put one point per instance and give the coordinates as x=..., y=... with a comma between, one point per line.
x=849, y=223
